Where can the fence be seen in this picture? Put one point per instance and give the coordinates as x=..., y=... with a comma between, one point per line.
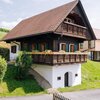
x=59, y=97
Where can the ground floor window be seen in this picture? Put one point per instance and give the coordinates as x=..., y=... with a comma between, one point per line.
x=14, y=49
x=96, y=55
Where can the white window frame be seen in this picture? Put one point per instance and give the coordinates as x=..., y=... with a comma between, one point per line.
x=70, y=45
x=61, y=45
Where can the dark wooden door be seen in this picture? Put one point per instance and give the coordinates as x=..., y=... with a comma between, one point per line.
x=66, y=79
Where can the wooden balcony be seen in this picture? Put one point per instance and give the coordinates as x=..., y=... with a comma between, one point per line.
x=73, y=30
x=58, y=58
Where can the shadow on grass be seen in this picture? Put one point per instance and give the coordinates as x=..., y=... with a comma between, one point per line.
x=29, y=85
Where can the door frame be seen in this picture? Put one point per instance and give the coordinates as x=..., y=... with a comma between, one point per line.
x=69, y=79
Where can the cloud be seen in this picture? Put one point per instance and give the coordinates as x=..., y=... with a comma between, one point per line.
x=8, y=1
x=10, y=25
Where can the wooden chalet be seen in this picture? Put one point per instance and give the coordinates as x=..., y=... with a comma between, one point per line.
x=53, y=37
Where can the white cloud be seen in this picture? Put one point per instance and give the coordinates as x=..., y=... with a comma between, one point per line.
x=8, y=1
x=10, y=25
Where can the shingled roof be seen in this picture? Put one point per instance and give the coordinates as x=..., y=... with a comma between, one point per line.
x=44, y=22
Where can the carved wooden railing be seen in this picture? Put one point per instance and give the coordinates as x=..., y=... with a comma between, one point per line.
x=58, y=58
x=74, y=30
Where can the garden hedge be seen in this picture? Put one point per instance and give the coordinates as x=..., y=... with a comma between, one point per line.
x=4, y=52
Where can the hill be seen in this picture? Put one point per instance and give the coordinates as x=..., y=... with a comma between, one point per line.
x=3, y=32
x=90, y=77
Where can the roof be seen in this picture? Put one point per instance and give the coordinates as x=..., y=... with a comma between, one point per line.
x=97, y=33
x=44, y=22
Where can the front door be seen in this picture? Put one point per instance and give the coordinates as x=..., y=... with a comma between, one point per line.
x=66, y=79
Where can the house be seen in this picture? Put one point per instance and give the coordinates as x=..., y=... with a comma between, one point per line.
x=54, y=39
x=94, y=46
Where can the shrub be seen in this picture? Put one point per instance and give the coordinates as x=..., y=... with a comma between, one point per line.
x=4, y=52
x=23, y=64
x=3, y=68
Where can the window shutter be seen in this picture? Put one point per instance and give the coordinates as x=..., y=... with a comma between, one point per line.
x=67, y=47
x=36, y=46
x=46, y=46
x=75, y=46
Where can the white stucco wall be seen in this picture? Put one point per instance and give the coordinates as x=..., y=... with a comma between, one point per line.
x=61, y=70
x=97, y=45
x=14, y=55
x=50, y=73
x=45, y=71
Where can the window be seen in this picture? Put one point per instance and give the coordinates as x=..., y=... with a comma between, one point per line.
x=81, y=45
x=76, y=75
x=59, y=78
x=13, y=49
x=72, y=48
x=25, y=46
x=33, y=46
x=63, y=46
x=89, y=44
x=42, y=47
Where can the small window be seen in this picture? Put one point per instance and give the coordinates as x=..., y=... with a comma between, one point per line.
x=81, y=45
x=42, y=47
x=89, y=44
x=63, y=46
x=76, y=75
x=25, y=46
x=13, y=49
x=33, y=46
x=59, y=78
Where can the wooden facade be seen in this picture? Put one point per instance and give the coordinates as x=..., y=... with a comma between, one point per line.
x=66, y=31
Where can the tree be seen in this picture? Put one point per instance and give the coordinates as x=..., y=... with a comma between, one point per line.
x=23, y=64
x=3, y=68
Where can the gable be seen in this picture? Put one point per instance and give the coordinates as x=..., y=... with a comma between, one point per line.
x=79, y=17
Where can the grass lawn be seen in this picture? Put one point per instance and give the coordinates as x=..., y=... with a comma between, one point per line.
x=12, y=87
x=90, y=77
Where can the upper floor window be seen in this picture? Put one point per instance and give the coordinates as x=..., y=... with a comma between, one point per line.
x=14, y=49
x=42, y=47
x=33, y=46
x=63, y=46
x=69, y=20
x=25, y=46
x=72, y=48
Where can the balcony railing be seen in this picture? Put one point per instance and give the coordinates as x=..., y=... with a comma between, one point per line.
x=74, y=30
x=58, y=58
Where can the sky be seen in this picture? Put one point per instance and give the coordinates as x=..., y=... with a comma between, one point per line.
x=13, y=11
